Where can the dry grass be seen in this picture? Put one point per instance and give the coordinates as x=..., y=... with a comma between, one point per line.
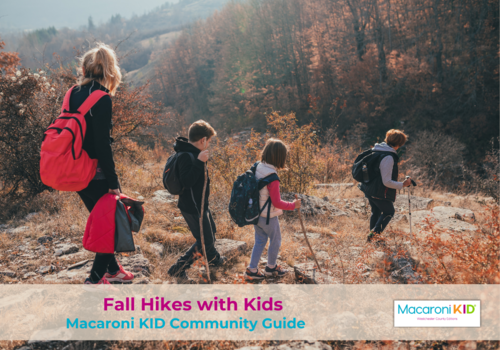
x=63, y=216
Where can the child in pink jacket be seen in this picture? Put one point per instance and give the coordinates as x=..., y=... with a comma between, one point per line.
x=273, y=158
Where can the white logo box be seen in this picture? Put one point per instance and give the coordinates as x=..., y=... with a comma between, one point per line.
x=437, y=313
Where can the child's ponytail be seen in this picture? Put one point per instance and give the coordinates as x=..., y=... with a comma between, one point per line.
x=101, y=64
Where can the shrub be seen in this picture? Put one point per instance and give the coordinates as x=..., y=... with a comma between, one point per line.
x=28, y=105
x=436, y=158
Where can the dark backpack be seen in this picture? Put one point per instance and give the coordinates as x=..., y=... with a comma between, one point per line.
x=244, y=206
x=171, y=178
x=367, y=159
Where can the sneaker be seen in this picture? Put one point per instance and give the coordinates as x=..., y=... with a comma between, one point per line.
x=370, y=237
x=277, y=271
x=102, y=286
x=222, y=260
x=120, y=276
x=254, y=276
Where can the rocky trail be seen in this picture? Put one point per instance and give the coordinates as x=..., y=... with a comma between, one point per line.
x=52, y=258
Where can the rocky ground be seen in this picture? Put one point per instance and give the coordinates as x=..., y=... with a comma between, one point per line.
x=36, y=255
x=43, y=248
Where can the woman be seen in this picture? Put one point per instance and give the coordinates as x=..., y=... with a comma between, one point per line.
x=381, y=192
x=100, y=71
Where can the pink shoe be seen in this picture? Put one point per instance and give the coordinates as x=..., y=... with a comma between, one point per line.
x=121, y=276
x=102, y=286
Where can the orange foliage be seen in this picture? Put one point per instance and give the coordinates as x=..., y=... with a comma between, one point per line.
x=8, y=60
x=461, y=257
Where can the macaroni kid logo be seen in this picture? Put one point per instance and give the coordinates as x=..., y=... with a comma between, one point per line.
x=437, y=313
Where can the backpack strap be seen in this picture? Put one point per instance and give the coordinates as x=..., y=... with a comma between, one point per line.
x=267, y=180
x=268, y=204
x=262, y=183
x=190, y=155
x=177, y=170
x=65, y=105
x=91, y=101
x=253, y=169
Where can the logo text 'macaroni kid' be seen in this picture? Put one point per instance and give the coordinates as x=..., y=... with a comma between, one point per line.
x=454, y=309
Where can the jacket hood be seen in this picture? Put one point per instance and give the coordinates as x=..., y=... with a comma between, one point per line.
x=264, y=169
x=383, y=147
x=182, y=145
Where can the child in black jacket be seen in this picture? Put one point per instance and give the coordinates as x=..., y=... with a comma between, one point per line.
x=192, y=177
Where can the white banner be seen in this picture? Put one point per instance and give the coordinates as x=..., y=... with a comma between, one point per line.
x=250, y=312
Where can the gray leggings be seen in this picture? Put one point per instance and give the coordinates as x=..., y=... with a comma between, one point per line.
x=262, y=233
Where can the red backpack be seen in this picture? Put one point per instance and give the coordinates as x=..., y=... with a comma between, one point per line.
x=64, y=165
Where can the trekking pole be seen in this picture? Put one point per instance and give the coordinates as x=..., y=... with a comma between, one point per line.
x=201, y=222
x=305, y=236
x=413, y=183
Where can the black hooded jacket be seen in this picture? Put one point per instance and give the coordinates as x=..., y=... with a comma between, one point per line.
x=191, y=176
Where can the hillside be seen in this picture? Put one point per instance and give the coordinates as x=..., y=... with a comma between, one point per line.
x=136, y=37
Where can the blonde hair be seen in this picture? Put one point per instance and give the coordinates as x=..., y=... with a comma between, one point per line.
x=101, y=64
x=274, y=153
x=395, y=138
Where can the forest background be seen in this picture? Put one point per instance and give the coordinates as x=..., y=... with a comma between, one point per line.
x=347, y=70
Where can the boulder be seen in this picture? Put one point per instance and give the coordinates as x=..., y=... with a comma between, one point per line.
x=46, y=269
x=16, y=230
x=136, y=263
x=230, y=248
x=65, y=248
x=311, y=206
x=455, y=219
x=403, y=266
x=417, y=203
x=163, y=197
x=7, y=273
x=29, y=274
x=44, y=239
x=158, y=249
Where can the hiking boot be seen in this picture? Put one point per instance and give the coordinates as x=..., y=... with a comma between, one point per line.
x=221, y=261
x=120, y=276
x=370, y=237
x=277, y=271
x=254, y=276
x=102, y=286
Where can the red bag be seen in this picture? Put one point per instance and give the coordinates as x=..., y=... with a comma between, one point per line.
x=64, y=165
